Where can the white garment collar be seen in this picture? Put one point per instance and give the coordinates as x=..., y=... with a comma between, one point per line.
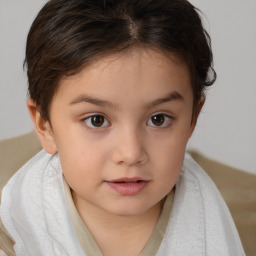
x=34, y=211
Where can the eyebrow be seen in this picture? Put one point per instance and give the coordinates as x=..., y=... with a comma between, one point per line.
x=94, y=101
x=173, y=96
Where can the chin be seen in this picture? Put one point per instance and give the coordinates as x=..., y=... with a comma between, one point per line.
x=131, y=209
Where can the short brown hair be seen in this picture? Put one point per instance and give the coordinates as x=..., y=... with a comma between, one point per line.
x=68, y=34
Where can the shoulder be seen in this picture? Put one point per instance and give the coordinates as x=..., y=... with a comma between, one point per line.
x=196, y=182
x=30, y=171
x=191, y=168
x=2, y=253
x=6, y=242
x=13, y=154
x=199, y=220
x=193, y=175
x=199, y=188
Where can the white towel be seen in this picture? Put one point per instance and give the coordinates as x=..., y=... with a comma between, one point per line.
x=34, y=212
x=200, y=223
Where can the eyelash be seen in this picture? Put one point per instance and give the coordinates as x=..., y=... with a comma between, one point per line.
x=88, y=120
x=166, y=121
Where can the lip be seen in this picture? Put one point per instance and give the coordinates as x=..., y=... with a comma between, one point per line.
x=128, y=186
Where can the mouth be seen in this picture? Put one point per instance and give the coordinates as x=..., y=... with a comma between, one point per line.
x=128, y=186
x=128, y=180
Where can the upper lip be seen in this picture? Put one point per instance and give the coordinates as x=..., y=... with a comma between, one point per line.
x=127, y=179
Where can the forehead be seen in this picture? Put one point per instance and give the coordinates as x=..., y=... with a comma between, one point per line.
x=138, y=72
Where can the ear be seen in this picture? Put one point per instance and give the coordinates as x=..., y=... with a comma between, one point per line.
x=196, y=114
x=43, y=128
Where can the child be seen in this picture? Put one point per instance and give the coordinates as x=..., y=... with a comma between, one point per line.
x=115, y=90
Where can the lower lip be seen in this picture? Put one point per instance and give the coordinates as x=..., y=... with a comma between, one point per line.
x=128, y=189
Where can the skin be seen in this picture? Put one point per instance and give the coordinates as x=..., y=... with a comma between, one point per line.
x=127, y=90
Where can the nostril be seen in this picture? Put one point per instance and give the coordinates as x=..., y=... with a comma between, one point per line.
x=129, y=154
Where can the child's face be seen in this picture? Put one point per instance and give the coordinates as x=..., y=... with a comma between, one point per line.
x=121, y=127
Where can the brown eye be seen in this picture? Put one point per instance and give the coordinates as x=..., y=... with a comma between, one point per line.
x=159, y=120
x=96, y=121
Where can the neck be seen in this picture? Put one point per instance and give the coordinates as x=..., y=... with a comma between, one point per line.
x=113, y=233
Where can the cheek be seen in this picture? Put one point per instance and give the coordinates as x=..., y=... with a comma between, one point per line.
x=168, y=154
x=172, y=145
x=81, y=171
x=169, y=160
x=82, y=161
x=169, y=165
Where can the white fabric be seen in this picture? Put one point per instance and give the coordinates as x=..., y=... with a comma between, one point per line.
x=34, y=211
x=200, y=223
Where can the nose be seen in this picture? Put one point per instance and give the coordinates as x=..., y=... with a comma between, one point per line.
x=129, y=149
